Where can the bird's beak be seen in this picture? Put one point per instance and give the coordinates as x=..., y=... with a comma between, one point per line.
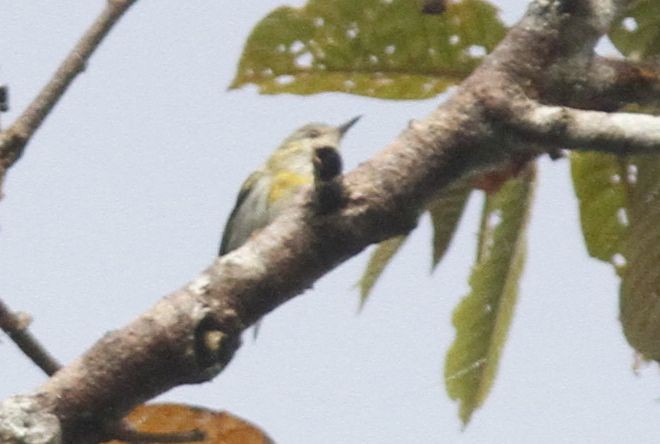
x=345, y=127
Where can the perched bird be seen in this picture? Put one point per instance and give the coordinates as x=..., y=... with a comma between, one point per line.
x=271, y=188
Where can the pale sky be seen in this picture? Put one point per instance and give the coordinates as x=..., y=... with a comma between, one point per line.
x=123, y=194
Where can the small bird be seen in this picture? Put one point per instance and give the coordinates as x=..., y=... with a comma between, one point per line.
x=271, y=188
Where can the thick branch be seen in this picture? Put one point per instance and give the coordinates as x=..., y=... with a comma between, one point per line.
x=622, y=82
x=602, y=83
x=190, y=335
x=14, y=139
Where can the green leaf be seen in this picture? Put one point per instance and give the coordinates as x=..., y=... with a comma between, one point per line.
x=601, y=183
x=446, y=211
x=483, y=317
x=637, y=35
x=640, y=286
x=381, y=256
x=377, y=48
x=620, y=209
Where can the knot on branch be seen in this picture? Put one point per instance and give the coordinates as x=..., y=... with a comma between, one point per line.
x=12, y=145
x=215, y=345
x=23, y=419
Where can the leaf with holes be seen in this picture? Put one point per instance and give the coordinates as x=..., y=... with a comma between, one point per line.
x=640, y=286
x=483, y=317
x=602, y=184
x=638, y=32
x=638, y=37
x=378, y=48
x=379, y=259
x=620, y=209
x=446, y=211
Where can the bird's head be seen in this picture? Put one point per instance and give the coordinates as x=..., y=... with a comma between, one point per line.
x=297, y=151
x=317, y=135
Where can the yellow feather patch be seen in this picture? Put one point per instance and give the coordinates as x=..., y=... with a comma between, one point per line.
x=286, y=182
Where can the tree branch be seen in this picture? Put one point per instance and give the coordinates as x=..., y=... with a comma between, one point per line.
x=16, y=137
x=602, y=83
x=16, y=327
x=191, y=335
x=619, y=133
x=619, y=82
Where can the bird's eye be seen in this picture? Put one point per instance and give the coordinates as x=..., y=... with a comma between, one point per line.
x=313, y=133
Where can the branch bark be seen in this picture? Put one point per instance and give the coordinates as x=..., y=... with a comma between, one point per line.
x=191, y=335
x=16, y=327
x=618, y=133
x=603, y=83
x=614, y=83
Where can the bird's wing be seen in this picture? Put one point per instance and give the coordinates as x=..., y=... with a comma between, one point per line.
x=248, y=187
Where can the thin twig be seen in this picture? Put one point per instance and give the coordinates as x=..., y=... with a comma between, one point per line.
x=14, y=140
x=16, y=327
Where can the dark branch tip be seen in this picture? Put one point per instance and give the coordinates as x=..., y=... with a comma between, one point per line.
x=327, y=163
x=555, y=153
x=327, y=170
x=4, y=98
